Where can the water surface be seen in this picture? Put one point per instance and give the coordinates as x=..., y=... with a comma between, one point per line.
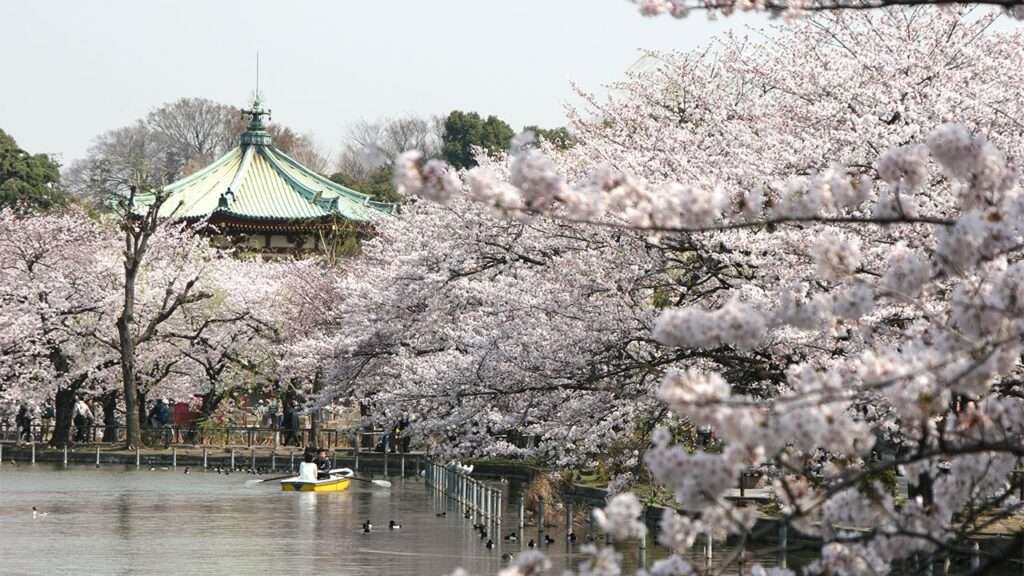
x=123, y=521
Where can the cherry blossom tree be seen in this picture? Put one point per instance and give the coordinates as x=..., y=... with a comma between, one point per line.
x=861, y=215
x=197, y=315
x=53, y=282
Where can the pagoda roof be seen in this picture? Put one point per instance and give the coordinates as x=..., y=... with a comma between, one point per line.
x=257, y=182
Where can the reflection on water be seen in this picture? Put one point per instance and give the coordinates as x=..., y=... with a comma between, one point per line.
x=115, y=520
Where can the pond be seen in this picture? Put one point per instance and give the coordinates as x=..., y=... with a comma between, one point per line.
x=119, y=520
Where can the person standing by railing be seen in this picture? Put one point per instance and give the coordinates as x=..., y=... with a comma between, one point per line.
x=110, y=422
x=96, y=411
x=181, y=418
x=82, y=417
x=291, y=426
x=46, y=417
x=272, y=414
x=400, y=433
x=160, y=419
x=23, y=423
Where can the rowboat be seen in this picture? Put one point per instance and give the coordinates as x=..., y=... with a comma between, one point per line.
x=335, y=483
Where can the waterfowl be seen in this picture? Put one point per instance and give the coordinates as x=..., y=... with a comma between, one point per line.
x=531, y=544
x=490, y=544
x=548, y=539
x=442, y=514
x=37, y=514
x=572, y=536
x=512, y=537
x=392, y=525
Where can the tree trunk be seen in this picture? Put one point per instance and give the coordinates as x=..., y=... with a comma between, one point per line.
x=126, y=344
x=211, y=400
x=314, y=415
x=64, y=401
x=63, y=408
x=314, y=428
x=142, y=408
x=289, y=404
x=109, y=401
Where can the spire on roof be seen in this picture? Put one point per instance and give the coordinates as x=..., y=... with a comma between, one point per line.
x=256, y=133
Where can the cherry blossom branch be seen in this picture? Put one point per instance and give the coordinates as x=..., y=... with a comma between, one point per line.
x=681, y=8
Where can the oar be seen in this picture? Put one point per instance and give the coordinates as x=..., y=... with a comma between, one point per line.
x=258, y=480
x=347, y=473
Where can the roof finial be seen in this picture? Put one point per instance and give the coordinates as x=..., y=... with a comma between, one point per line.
x=256, y=114
x=255, y=133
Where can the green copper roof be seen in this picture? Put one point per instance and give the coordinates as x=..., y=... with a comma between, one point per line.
x=255, y=181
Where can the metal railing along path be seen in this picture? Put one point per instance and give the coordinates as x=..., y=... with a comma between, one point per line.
x=474, y=498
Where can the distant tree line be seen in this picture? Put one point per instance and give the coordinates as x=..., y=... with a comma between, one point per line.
x=173, y=141
x=180, y=137
x=366, y=161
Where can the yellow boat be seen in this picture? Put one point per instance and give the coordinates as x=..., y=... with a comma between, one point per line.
x=332, y=484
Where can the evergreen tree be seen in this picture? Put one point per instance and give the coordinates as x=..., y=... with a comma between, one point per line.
x=464, y=130
x=27, y=181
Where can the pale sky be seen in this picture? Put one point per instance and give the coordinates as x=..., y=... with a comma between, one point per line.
x=73, y=69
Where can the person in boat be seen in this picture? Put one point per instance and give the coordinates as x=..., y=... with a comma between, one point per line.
x=308, y=467
x=323, y=464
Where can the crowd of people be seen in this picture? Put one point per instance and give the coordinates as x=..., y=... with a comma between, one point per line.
x=89, y=422
x=84, y=415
